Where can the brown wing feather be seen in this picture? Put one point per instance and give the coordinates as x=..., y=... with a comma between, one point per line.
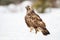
x=37, y=16
x=34, y=20
x=37, y=21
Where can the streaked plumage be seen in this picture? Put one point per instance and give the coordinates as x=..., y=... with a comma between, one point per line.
x=33, y=21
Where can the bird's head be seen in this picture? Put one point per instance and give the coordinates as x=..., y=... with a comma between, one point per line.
x=29, y=9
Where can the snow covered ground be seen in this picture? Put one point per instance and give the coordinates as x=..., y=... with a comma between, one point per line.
x=13, y=27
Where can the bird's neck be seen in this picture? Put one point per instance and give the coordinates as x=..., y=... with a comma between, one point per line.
x=31, y=12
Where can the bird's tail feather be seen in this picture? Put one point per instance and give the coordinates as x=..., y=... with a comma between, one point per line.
x=45, y=32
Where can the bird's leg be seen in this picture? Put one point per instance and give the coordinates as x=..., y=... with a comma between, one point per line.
x=36, y=30
x=31, y=28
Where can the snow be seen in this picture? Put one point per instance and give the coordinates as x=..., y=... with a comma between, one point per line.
x=13, y=26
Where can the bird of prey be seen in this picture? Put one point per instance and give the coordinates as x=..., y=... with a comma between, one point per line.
x=33, y=21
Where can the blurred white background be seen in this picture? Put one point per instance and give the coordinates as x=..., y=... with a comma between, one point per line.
x=13, y=27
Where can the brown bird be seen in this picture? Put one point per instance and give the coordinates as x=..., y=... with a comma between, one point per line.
x=33, y=21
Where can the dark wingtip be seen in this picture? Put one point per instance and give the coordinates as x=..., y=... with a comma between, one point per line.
x=45, y=32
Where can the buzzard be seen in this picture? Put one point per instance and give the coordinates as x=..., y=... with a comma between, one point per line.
x=33, y=21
